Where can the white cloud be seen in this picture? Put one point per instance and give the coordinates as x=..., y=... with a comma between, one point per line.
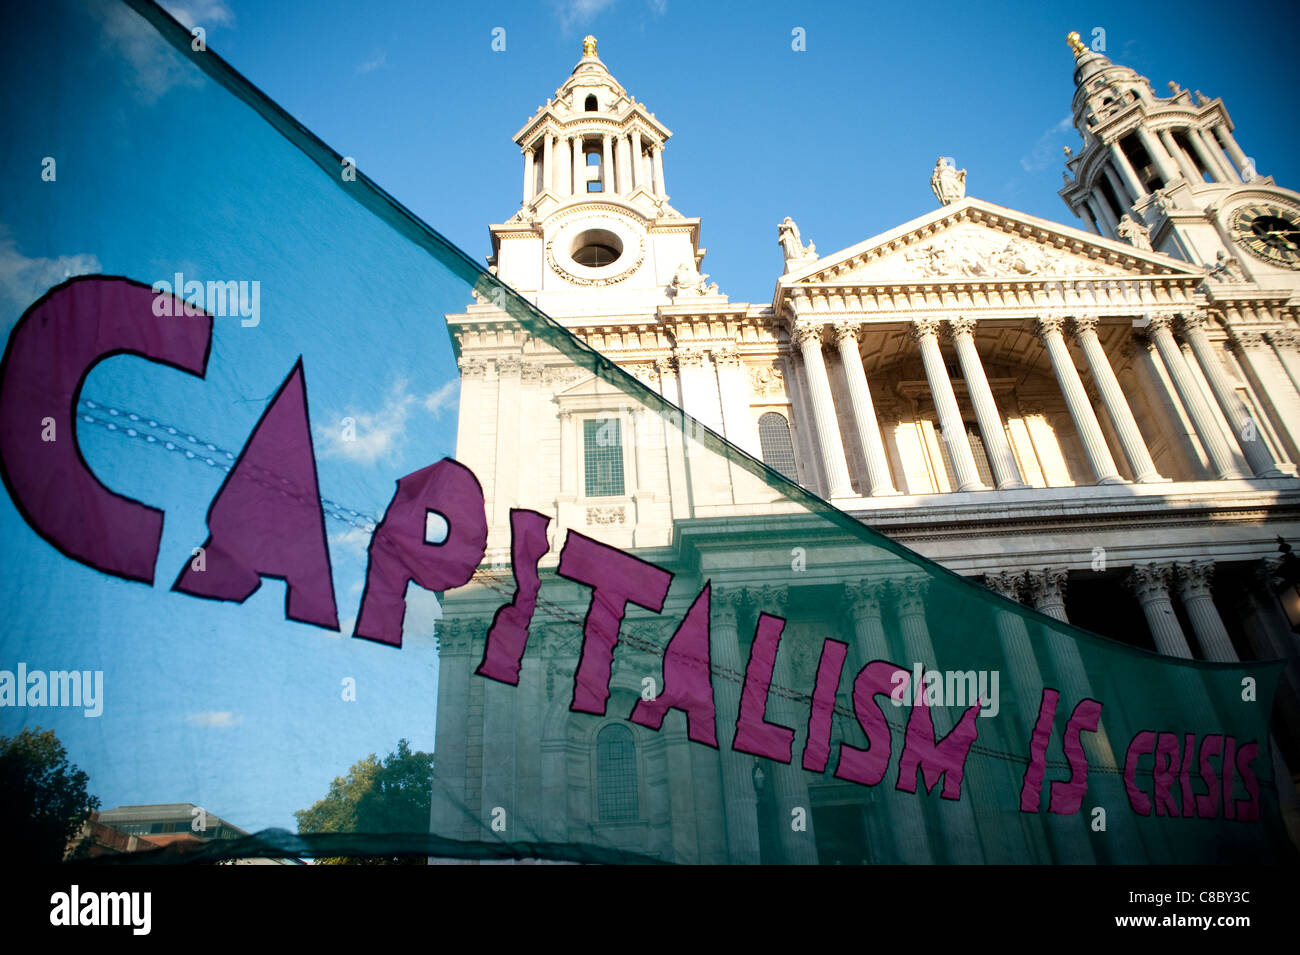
x=200, y=13
x=354, y=539
x=573, y=12
x=153, y=66
x=214, y=719
x=368, y=436
x=374, y=63
x=1047, y=149
x=443, y=397
x=23, y=280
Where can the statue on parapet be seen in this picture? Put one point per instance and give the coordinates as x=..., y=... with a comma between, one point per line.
x=948, y=183
x=787, y=234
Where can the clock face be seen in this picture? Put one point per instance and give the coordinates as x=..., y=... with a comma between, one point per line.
x=1270, y=232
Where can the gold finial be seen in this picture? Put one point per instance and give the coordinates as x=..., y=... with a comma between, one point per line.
x=1075, y=43
x=588, y=45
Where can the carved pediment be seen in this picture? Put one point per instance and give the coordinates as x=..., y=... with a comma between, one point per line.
x=970, y=251
x=973, y=240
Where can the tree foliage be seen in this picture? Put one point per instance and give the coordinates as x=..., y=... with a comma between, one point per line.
x=43, y=798
x=391, y=795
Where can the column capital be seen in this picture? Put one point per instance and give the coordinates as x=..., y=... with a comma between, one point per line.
x=691, y=356
x=911, y=593
x=962, y=326
x=863, y=597
x=1150, y=581
x=725, y=603
x=770, y=599
x=846, y=331
x=1047, y=326
x=808, y=334
x=1083, y=324
x=1006, y=583
x=1283, y=338
x=1159, y=322
x=666, y=366
x=1190, y=321
x=1245, y=338
x=1195, y=578
x=1047, y=584
x=922, y=328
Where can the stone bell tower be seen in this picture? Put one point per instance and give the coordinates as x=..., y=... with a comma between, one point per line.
x=1166, y=172
x=595, y=232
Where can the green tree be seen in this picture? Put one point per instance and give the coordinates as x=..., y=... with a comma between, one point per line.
x=391, y=795
x=43, y=798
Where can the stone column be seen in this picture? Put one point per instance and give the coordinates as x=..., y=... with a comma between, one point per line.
x=548, y=166
x=529, y=174
x=624, y=166
x=1184, y=164
x=448, y=815
x=789, y=783
x=1047, y=590
x=658, y=154
x=607, y=164
x=1005, y=470
x=1207, y=429
x=864, y=412
x=1117, y=406
x=737, y=768
x=1194, y=579
x=1076, y=398
x=1168, y=172
x=1231, y=147
x=638, y=174
x=926, y=333
x=906, y=817
x=960, y=835
x=1105, y=218
x=1230, y=173
x=1247, y=430
x=808, y=339
x=1286, y=344
x=1123, y=179
x=1150, y=582
x=579, y=168
x=1202, y=148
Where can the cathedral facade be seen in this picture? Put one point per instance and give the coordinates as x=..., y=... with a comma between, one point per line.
x=1100, y=422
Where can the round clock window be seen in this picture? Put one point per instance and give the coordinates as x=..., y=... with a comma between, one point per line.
x=1269, y=232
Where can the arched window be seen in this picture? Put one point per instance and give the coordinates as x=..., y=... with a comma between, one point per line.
x=616, y=796
x=774, y=439
x=591, y=106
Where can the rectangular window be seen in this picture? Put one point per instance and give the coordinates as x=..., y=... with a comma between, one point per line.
x=603, y=456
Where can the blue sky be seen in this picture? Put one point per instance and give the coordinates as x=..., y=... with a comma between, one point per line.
x=842, y=136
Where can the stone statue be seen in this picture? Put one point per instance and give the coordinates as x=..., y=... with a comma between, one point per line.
x=1174, y=88
x=690, y=280
x=948, y=183
x=1138, y=235
x=787, y=234
x=1225, y=269
x=1163, y=202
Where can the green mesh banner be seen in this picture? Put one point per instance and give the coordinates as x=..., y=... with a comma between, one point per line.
x=271, y=559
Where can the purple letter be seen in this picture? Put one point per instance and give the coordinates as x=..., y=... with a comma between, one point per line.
x=817, y=748
x=1248, y=809
x=868, y=766
x=1143, y=742
x=1163, y=772
x=508, y=635
x=617, y=579
x=1067, y=797
x=399, y=553
x=935, y=758
x=1031, y=790
x=51, y=350
x=1207, y=805
x=688, y=681
x=754, y=734
x=267, y=520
